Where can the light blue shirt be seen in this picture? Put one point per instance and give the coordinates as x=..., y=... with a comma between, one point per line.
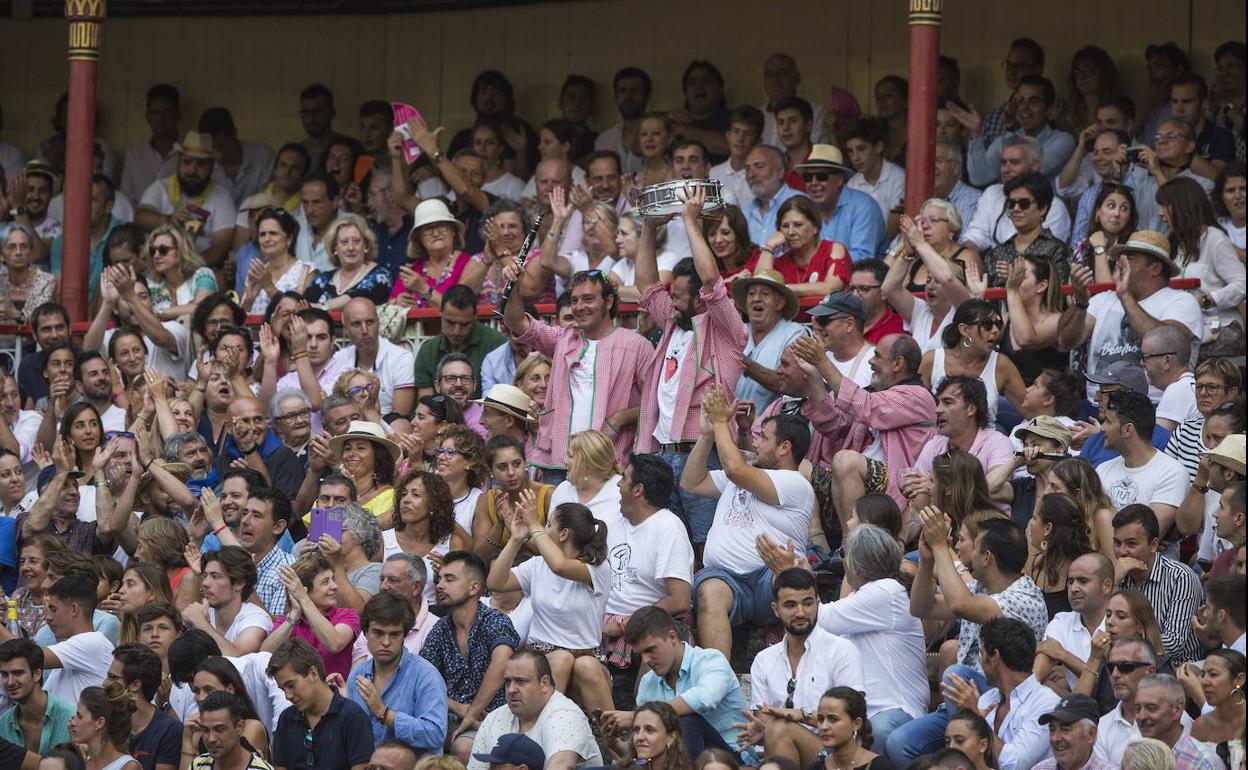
x=1144, y=184
x=55, y=724
x=418, y=697
x=766, y=353
x=498, y=367
x=966, y=200
x=983, y=162
x=763, y=225
x=857, y=224
x=104, y=622
x=706, y=683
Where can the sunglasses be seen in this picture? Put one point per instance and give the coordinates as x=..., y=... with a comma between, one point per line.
x=310, y=758
x=1022, y=204
x=991, y=323
x=816, y=176
x=788, y=702
x=162, y=250
x=118, y=433
x=1125, y=666
x=1146, y=356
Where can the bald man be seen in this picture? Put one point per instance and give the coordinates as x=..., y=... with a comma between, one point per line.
x=249, y=438
x=780, y=81
x=393, y=365
x=1165, y=352
x=1068, y=638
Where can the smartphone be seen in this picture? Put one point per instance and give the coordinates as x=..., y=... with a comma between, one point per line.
x=1133, y=156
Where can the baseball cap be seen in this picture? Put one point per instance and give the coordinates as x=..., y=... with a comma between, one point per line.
x=515, y=749
x=1072, y=709
x=47, y=474
x=1128, y=375
x=840, y=303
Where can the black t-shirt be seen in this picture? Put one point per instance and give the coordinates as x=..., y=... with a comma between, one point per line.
x=474, y=241
x=11, y=755
x=341, y=739
x=160, y=743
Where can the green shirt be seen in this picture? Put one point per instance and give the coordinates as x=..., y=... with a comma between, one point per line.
x=481, y=340
x=55, y=724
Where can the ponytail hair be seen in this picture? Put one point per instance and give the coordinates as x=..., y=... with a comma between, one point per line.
x=855, y=708
x=589, y=535
x=114, y=703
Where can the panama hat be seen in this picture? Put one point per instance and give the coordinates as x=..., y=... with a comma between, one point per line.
x=196, y=145
x=432, y=211
x=510, y=400
x=824, y=157
x=1150, y=243
x=772, y=280
x=1229, y=453
x=369, y=431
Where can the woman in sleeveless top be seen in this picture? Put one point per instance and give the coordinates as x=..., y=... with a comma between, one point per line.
x=424, y=522
x=504, y=456
x=102, y=724
x=1034, y=298
x=1222, y=683
x=970, y=349
x=277, y=269
x=162, y=541
x=945, y=289
x=1056, y=535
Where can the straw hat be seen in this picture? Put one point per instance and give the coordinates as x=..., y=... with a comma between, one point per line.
x=509, y=400
x=180, y=471
x=1151, y=243
x=262, y=200
x=196, y=145
x=1048, y=427
x=432, y=211
x=369, y=431
x=1229, y=453
x=772, y=280
x=825, y=157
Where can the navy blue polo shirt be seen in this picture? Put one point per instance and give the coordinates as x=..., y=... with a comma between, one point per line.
x=342, y=739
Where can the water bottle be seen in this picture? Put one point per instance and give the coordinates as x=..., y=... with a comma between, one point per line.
x=11, y=623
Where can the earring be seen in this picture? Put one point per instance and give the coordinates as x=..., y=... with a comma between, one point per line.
x=856, y=738
x=966, y=342
x=1044, y=546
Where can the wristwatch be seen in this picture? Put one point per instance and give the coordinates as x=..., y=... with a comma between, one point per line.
x=1098, y=250
x=435, y=158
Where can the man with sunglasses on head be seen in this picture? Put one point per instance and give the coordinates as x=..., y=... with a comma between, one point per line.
x=850, y=217
x=598, y=370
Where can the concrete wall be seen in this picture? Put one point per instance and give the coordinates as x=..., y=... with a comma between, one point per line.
x=257, y=66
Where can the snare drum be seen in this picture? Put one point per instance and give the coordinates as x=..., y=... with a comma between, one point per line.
x=664, y=199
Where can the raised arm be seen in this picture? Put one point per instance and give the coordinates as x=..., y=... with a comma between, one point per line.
x=894, y=284
x=1029, y=330
x=428, y=142
x=703, y=258
x=647, y=268
x=721, y=413
x=1075, y=325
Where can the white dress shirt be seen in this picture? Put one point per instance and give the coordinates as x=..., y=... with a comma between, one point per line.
x=828, y=661
x=1068, y=630
x=1025, y=740
x=1114, y=732
x=887, y=190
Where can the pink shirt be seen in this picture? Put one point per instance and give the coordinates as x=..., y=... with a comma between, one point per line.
x=449, y=278
x=990, y=448
x=719, y=338
x=335, y=662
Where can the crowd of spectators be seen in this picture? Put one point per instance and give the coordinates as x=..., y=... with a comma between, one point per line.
x=802, y=480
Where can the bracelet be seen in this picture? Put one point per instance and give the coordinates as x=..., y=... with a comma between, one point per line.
x=538, y=532
x=149, y=464
x=219, y=529
x=299, y=355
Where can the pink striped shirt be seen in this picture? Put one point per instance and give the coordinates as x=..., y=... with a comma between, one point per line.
x=719, y=338
x=621, y=361
x=904, y=417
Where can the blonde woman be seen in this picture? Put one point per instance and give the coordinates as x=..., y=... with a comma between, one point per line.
x=1076, y=477
x=533, y=377
x=162, y=541
x=1147, y=754
x=353, y=251
x=365, y=388
x=176, y=276
x=593, y=477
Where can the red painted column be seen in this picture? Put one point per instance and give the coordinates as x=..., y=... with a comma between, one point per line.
x=85, y=19
x=925, y=20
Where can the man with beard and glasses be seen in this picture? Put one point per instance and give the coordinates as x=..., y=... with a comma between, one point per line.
x=598, y=370
x=701, y=348
x=192, y=200
x=788, y=678
x=767, y=497
x=471, y=646
x=632, y=93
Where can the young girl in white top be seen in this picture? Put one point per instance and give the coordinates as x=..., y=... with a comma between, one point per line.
x=567, y=586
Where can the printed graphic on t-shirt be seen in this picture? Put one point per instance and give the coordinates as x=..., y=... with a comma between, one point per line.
x=622, y=570
x=741, y=509
x=1123, y=492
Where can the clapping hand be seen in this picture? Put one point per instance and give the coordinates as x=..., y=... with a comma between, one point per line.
x=715, y=403
x=270, y=347
x=1122, y=276
x=560, y=208
x=976, y=280
x=516, y=523
x=969, y=118
x=936, y=528
x=778, y=558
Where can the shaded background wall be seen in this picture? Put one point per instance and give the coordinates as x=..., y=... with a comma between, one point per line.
x=256, y=66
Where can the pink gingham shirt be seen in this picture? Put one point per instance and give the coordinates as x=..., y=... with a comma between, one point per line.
x=622, y=360
x=904, y=417
x=719, y=338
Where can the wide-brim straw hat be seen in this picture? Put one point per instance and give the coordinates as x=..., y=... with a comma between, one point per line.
x=432, y=211
x=825, y=157
x=1149, y=242
x=772, y=280
x=180, y=471
x=1229, y=453
x=509, y=400
x=196, y=145
x=369, y=431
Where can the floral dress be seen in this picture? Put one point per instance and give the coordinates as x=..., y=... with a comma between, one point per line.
x=375, y=285
x=162, y=297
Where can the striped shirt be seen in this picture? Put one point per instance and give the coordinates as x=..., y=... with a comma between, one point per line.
x=1185, y=444
x=1174, y=593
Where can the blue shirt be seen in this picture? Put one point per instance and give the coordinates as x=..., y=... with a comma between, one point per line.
x=340, y=740
x=706, y=683
x=95, y=261
x=966, y=200
x=1095, y=451
x=392, y=249
x=463, y=675
x=55, y=724
x=498, y=367
x=763, y=225
x=857, y=224
x=417, y=695
x=248, y=252
x=767, y=353
x=983, y=161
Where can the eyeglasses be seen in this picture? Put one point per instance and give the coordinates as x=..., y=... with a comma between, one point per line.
x=788, y=702
x=161, y=250
x=444, y=452
x=1022, y=204
x=1125, y=666
x=116, y=433
x=862, y=288
x=929, y=221
x=361, y=389
x=1147, y=356
x=1168, y=136
x=310, y=759
x=466, y=379
x=816, y=176
x=302, y=414
x=1210, y=387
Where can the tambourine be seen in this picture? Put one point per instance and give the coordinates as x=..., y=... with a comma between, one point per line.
x=664, y=199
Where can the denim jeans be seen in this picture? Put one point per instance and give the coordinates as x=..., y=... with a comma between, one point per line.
x=884, y=723
x=554, y=476
x=701, y=735
x=697, y=512
x=927, y=733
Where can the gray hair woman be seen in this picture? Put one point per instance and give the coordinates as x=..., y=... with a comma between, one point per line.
x=23, y=287
x=357, y=574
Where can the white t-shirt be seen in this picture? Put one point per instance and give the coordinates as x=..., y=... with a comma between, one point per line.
x=566, y=613
x=643, y=557
x=1113, y=339
x=740, y=518
x=1160, y=480
x=85, y=659
x=1178, y=400
x=521, y=617
x=856, y=368
x=886, y=191
x=920, y=324
x=249, y=616
x=507, y=186
x=582, y=376
x=171, y=363
x=605, y=504
x=626, y=270
x=669, y=381
x=220, y=206
x=395, y=366
x=579, y=261
x=465, y=507
x=114, y=418
x=562, y=726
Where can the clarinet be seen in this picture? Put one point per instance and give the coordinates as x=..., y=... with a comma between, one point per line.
x=521, y=257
